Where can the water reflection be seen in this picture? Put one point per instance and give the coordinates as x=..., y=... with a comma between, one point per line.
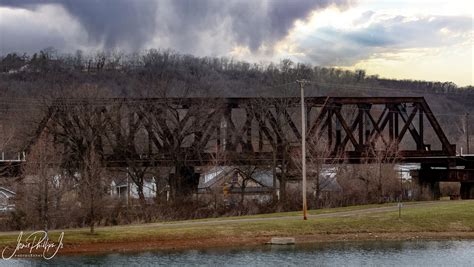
x=374, y=253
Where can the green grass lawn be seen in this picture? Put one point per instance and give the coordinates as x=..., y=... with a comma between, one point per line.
x=300, y=213
x=443, y=217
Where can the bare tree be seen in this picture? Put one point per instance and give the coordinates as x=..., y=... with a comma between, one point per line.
x=79, y=126
x=377, y=171
x=44, y=184
x=186, y=132
x=127, y=140
x=246, y=174
x=274, y=118
x=93, y=186
x=319, y=162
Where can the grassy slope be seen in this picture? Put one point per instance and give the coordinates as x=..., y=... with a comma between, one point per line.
x=300, y=213
x=453, y=216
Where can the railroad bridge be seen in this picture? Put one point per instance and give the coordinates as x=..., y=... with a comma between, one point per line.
x=190, y=132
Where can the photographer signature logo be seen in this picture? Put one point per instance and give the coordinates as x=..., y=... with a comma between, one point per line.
x=37, y=244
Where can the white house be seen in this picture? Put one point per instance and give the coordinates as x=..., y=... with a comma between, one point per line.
x=229, y=182
x=124, y=186
x=6, y=197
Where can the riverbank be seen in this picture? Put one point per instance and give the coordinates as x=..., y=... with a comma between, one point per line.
x=423, y=220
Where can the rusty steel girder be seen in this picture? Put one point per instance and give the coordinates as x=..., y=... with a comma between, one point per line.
x=229, y=131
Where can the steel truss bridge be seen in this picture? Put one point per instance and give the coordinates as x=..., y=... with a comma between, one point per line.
x=259, y=131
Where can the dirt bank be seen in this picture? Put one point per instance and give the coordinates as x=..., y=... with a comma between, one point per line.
x=241, y=242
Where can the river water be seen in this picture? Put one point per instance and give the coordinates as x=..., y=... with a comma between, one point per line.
x=371, y=253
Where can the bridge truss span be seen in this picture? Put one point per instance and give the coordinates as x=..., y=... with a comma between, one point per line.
x=233, y=131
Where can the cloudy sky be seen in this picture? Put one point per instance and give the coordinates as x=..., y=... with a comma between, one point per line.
x=406, y=39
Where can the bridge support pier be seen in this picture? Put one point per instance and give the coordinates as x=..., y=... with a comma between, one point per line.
x=184, y=182
x=467, y=190
x=435, y=190
x=429, y=189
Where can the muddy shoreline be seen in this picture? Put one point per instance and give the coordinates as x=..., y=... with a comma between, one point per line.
x=144, y=245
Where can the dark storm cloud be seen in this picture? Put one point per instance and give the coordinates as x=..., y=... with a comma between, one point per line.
x=250, y=23
x=260, y=21
x=115, y=22
x=131, y=24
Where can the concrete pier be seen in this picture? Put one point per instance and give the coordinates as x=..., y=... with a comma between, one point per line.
x=282, y=241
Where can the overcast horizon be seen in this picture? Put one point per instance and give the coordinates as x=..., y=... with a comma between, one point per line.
x=422, y=40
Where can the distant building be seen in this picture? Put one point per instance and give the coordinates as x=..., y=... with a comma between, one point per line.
x=327, y=182
x=123, y=187
x=232, y=181
x=406, y=172
x=227, y=180
x=6, y=199
x=406, y=169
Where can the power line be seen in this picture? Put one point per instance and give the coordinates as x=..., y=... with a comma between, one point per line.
x=21, y=108
x=31, y=104
x=377, y=88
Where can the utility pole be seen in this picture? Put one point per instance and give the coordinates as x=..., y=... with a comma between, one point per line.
x=303, y=148
x=128, y=190
x=401, y=193
x=467, y=132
